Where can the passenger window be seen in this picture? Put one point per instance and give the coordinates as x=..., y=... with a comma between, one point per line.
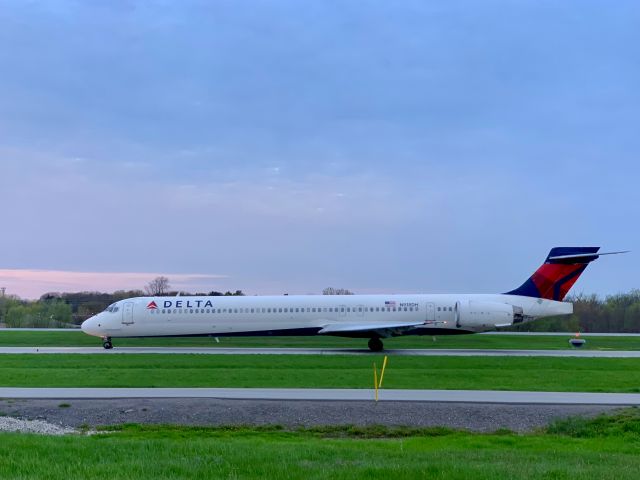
x=342, y=309
x=451, y=309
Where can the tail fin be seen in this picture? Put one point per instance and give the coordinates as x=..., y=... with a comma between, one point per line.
x=558, y=273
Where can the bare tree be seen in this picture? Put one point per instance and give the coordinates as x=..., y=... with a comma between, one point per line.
x=336, y=291
x=157, y=287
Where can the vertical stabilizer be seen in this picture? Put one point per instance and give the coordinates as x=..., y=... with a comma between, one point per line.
x=561, y=269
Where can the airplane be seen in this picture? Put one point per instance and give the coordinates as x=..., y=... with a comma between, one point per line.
x=375, y=317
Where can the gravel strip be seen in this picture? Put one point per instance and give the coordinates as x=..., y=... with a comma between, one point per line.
x=8, y=424
x=215, y=412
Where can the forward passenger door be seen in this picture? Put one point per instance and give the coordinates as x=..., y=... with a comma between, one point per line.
x=127, y=313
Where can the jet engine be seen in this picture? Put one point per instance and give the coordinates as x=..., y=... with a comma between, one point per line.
x=479, y=315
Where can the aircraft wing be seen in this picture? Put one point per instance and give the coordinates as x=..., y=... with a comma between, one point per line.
x=381, y=329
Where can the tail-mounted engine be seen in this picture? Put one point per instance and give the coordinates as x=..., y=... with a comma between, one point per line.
x=479, y=315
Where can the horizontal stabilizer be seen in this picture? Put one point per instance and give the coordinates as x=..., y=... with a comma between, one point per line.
x=582, y=257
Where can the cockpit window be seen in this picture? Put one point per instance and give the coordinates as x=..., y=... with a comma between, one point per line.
x=112, y=308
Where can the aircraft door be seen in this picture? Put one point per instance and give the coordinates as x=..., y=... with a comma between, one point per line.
x=431, y=312
x=127, y=313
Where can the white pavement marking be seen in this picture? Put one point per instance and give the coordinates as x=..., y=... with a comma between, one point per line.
x=455, y=396
x=326, y=351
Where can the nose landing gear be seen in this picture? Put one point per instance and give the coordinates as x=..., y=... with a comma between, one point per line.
x=375, y=344
x=106, y=343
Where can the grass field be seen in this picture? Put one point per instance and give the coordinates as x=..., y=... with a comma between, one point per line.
x=315, y=371
x=76, y=338
x=605, y=448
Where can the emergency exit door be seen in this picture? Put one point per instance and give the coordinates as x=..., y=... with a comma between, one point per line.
x=431, y=312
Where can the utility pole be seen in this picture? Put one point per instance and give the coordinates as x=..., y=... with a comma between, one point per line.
x=2, y=290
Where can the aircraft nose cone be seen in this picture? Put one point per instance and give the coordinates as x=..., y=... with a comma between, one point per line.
x=90, y=326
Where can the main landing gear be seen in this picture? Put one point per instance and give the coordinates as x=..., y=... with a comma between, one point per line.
x=106, y=343
x=375, y=344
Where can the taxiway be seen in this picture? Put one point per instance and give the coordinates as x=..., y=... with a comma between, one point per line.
x=330, y=394
x=323, y=351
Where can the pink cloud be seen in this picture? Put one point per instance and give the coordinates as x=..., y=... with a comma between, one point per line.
x=34, y=283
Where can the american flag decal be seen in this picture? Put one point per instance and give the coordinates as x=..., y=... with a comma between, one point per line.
x=390, y=303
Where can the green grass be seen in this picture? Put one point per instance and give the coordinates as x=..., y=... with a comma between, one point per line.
x=77, y=338
x=338, y=453
x=315, y=371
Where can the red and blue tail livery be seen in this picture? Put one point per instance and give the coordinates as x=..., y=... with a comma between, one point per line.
x=561, y=269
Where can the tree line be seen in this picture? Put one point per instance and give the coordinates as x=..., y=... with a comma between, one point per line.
x=618, y=313
x=70, y=309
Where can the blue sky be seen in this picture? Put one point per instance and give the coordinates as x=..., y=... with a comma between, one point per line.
x=285, y=146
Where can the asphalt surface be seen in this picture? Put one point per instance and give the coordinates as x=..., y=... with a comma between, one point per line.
x=323, y=351
x=217, y=412
x=331, y=394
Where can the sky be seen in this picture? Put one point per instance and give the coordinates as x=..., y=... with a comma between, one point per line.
x=285, y=146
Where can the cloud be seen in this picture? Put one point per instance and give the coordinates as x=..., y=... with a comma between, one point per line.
x=404, y=144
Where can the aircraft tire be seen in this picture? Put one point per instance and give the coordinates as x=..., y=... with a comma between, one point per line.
x=107, y=345
x=375, y=344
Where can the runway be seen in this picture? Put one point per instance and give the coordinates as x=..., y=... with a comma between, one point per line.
x=323, y=351
x=313, y=394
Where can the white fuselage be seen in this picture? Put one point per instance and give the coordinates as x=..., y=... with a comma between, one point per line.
x=343, y=315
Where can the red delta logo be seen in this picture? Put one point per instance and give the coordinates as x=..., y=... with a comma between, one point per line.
x=152, y=306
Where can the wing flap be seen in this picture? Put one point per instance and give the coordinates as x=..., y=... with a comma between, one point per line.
x=340, y=328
